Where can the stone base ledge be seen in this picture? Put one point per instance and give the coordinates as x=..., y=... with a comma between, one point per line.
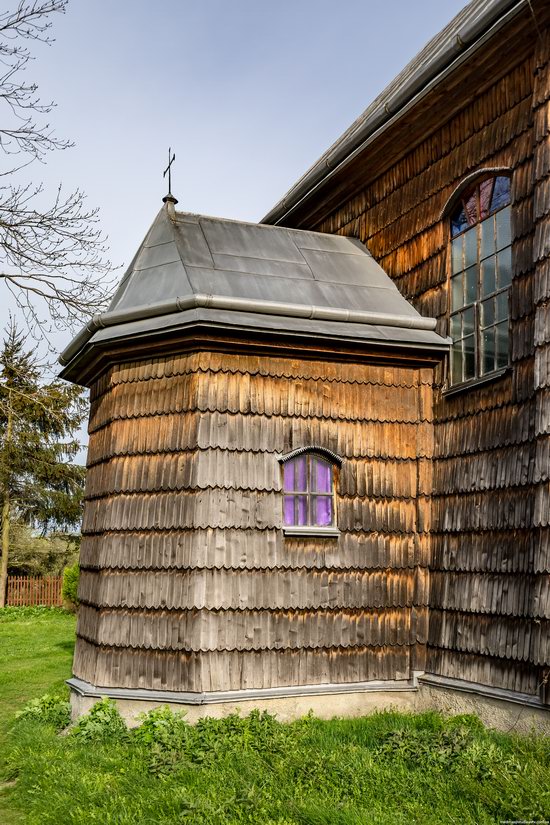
x=505, y=710
x=286, y=703
x=497, y=708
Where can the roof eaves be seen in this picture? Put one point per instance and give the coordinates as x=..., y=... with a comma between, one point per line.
x=457, y=42
x=115, y=318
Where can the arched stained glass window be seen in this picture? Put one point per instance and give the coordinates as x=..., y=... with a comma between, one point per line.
x=308, y=481
x=480, y=280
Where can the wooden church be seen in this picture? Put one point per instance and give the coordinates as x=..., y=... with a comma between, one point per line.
x=319, y=453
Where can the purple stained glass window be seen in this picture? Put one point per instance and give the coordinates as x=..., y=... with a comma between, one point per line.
x=323, y=510
x=295, y=510
x=308, y=488
x=501, y=194
x=289, y=475
x=290, y=509
x=485, y=192
x=302, y=511
x=470, y=207
x=459, y=222
x=322, y=476
x=301, y=474
x=477, y=204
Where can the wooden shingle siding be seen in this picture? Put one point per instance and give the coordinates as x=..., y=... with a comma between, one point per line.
x=496, y=636
x=489, y=470
x=541, y=289
x=376, y=478
x=508, y=673
x=491, y=498
x=485, y=430
x=176, y=433
x=213, y=362
x=188, y=582
x=512, y=508
x=234, y=669
x=243, y=509
x=239, y=589
x=251, y=549
x=488, y=551
x=251, y=630
x=260, y=395
x=497, y=593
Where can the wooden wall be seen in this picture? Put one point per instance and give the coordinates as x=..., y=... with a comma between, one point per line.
x=490, y=590
x=187, y=580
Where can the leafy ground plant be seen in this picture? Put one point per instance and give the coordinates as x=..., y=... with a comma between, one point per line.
x=47, y=710
x=37, y=611
x=102, y=724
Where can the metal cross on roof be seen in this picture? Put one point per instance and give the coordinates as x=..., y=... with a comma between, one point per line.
x=168, y=169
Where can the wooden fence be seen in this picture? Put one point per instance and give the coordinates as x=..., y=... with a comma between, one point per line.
x=29, y=590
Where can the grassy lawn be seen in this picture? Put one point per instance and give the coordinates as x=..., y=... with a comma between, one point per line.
x=385, y=769
x=36, y=647
x=37, y=651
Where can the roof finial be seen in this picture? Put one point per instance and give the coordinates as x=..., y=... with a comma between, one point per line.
x=169, y=198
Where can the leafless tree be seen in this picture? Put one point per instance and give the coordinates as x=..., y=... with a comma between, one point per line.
x=52, y=254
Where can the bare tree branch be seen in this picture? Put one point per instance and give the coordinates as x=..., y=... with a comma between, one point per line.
x=27, y=22
x=52, y=258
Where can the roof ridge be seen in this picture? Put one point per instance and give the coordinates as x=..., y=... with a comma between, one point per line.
x=256, y=224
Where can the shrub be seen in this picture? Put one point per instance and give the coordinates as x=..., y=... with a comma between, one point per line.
x=48, y=710
x=69, y=590
x=102, y=724
x=165, y=736
x=37, y=555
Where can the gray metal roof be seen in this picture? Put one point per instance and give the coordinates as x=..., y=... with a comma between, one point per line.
x=194, y=269
x=455, y=43
x=193, y=254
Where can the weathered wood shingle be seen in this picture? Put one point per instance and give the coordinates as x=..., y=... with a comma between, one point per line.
x=490, y=504
x=186, y=572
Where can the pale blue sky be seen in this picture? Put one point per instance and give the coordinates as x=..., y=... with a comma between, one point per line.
x=248, y=93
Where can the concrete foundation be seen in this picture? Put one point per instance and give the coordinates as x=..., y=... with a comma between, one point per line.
x=503, y=710
x=325, y=701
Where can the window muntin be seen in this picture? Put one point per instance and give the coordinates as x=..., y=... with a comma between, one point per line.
x=481, y=273
x=308, y=482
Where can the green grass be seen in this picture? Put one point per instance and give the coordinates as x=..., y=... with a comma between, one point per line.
x=36, y=645
x=36, y=651
x=384, y=769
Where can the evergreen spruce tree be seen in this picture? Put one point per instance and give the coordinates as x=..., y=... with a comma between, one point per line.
x=39, y=485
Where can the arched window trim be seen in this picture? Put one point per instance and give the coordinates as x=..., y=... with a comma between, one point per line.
x=310, y=494
x=462, y=193
x=470, y=182
x=323, y=451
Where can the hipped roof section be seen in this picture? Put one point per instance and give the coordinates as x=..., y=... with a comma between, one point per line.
x=193, y=270
x=458, y=41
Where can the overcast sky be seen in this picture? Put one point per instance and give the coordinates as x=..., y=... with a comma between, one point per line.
x=248, y=93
